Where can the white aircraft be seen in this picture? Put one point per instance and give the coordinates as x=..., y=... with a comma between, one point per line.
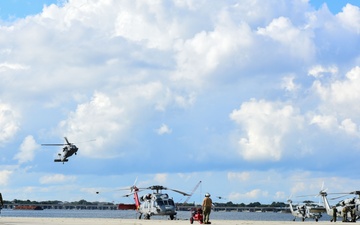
x=348, y=209
x=306, y=210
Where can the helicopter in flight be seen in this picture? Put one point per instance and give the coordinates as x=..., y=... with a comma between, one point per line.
x=69, y=149
x=155, y=203
x=306, y=210
x=347, y=209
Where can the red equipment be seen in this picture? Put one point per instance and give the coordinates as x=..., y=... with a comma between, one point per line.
x=196, y=215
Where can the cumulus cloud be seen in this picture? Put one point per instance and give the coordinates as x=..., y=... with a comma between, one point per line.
x=161, y=178
x=350, y=17
x=319, y=71
x=243, y=176
x=295, y=40
x=56, y=178
x=289, y=85
x=253, y=194
x=9, y=123
x=4, y=177
x=164, y=129
x=27, y=150
x=338, y=108
x=266, y=125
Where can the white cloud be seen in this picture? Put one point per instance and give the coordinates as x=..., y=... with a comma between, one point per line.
x=243, y=176
x=325, y=122
x=160, y=178
x=5, y=177
x=295, y=40
x=9, y=123
x=11, y=66
x=253, y=194
x=57, y=178
x=318, y=71
x=339, y=98
x=199, y=56
x=349, y=127
x=164, y=129
x=350, y=17
x=289, y=85
x=27, y=150
x=266, y=125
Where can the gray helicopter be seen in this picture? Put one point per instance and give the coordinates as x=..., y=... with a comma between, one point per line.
x=347, y=209
x=156, y=203
x=69, y=149
x=306, y=210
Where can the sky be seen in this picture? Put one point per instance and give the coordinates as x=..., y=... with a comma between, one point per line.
x=258, y=100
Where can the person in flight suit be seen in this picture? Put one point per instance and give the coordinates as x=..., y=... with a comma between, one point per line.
x=334, y=214
x=206, y=205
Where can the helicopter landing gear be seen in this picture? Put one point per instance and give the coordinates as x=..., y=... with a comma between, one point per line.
x=172, y=217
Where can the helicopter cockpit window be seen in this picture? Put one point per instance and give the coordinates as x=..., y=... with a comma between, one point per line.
x=171, y=202
x=160, y=202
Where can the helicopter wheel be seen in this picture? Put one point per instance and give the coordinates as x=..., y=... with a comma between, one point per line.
x=147, y=216
x=316, y=220
x=172, y=217
x=140, y=216
x=303, y=219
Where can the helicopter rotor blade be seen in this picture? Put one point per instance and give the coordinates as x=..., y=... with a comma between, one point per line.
x=53, y=144
x=67, y=141
x=339, y=197
x=107, y=191
x=180, y=192
x=86, y=141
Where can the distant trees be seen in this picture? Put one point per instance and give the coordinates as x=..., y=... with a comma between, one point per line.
x=84, y=202
x=54, y=202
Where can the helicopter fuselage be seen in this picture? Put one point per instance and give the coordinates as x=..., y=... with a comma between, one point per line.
x=69, y=151
x=306, y=211
x=157, y=204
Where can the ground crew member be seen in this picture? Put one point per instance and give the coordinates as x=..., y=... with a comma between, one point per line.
x=334, y=214
x=206, y=205
x=345, y=212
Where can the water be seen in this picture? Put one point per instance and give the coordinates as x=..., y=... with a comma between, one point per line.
x=129, y=214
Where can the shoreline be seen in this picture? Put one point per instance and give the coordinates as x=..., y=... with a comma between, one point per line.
x=113, y=221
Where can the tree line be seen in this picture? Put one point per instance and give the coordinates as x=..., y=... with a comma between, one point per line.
x=55, y=202
x=252, y=204
x=84, y=202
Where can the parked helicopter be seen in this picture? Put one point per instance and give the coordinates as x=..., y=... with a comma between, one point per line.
x=348, y=209
x=69, y=149
x=156, y=203
x=306, y=210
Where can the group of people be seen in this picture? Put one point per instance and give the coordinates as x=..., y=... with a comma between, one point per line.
x=345, y=212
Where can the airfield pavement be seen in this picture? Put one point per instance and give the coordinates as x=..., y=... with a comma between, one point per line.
x=111, y=221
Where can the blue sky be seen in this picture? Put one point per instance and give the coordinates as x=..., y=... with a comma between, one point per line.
x=257, y=100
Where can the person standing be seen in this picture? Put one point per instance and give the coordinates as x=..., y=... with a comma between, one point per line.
x=206, y=205
x=334, y=214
